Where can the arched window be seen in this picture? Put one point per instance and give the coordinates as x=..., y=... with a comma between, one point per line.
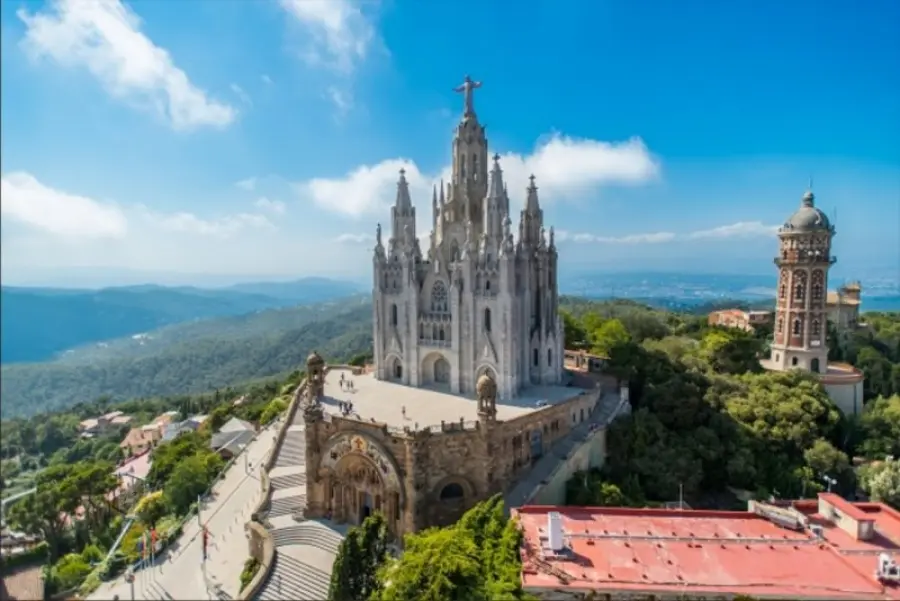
x=534, y=358
x=452, y=491
x=817, y=291
x=549, y=357
x=782, y=291
x=487, y=320
x=394, y=315
x=798, y=327
x=441, y=334
x=795, y=361
x=421, y=331
x=434, y=332
x=816, y=327
x=487, y=283
x=475, y=166
x=439, y=302
x=780, y=326
x=814, y=365
x=798, y=292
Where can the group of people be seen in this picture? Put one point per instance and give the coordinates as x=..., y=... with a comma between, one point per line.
x=345, y=384
x=346, y=407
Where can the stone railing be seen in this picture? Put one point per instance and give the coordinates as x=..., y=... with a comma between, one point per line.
x=262, y=547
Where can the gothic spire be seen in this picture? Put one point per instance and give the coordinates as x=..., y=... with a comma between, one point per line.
x=532, y=205
x=404, y=202
x=496, y=187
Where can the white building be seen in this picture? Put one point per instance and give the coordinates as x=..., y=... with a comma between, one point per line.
x=478, y=300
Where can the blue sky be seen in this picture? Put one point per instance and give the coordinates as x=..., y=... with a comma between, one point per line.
x=262, y=139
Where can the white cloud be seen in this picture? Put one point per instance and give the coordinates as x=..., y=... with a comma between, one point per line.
x=565, y=168
x=340, y=32
x=355, y=239
x=248, y=184
x=743, y=229
x=266, y=79
x=582, y=238
x=104, y=36
x=57, y=214
x=342, y=100
x=31, y=203
x=241, y=94
x=273, y=206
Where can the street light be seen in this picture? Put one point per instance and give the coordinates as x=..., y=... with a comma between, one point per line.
x=829, y=481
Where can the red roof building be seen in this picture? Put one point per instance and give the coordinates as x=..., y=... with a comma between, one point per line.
x=822, y=549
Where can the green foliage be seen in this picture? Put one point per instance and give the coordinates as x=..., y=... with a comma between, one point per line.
x=151, y=508
x=251, y=567
x=275, y=408
x=190, y=478
x=476, y=559
x=362, y=552
x=707, y=417
x=70, y=571
x=192, y=357
x=882, y=481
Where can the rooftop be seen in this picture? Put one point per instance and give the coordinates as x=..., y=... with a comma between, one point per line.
x=384, y=401
x=647, y=551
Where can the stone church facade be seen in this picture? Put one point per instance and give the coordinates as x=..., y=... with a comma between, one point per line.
x=466, y=335
x=476, y=300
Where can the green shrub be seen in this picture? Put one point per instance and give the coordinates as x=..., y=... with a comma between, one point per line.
x=70, y=571
x=272, y=410
x=251, y=567
x=92, y=554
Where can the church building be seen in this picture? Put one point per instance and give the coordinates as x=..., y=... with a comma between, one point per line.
x=477, y=300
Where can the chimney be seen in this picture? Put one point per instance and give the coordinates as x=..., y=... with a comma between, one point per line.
x=554, y=531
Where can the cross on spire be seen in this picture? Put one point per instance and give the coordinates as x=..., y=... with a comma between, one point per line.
x=531, y=178
x=496, y=158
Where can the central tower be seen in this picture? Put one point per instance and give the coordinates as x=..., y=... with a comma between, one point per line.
x=478, y=301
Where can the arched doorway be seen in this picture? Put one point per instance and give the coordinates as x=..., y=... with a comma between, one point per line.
x=360, y=479
x=442, y=371
x=814, y=365
x=395, y=369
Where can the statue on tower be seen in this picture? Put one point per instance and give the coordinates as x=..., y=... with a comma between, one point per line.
x=466, y=88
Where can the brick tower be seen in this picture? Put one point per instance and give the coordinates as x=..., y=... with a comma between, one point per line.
x=803, y=261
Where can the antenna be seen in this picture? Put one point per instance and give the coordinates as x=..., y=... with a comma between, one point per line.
x=810, y=187
x=680, y=495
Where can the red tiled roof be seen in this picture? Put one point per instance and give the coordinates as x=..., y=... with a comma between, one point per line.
x=647, y=551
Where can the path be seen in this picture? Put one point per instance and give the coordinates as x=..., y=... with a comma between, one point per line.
x=180, y=572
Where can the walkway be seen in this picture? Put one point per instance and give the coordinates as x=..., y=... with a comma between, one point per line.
x=604, y=412
x=180, y=572
x=304, y=549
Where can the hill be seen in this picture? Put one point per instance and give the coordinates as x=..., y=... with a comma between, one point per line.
x=38, y=323
x=193, y=357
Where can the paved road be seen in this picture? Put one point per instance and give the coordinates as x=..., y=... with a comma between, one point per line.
x=181, y=572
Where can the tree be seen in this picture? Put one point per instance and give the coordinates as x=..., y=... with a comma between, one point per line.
x=151, y=508
x=608, y=335
x=362, y=552
x=188, y=480
x=880, y=425
x=882, y=482
x=475, y=559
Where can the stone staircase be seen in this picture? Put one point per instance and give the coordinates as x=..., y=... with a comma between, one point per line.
x=292, y=578
x=604, y=412
x=311, y=534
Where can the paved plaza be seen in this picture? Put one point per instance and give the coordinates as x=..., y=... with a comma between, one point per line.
x=385, y=401
x=180, y=573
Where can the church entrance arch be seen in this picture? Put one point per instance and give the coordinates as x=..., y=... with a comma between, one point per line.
x=361, y=478
x=436, y=370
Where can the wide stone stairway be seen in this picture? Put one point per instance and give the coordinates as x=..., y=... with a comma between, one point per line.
x=304, y=550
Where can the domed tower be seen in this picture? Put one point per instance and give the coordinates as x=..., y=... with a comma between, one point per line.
x=486, y=391
x=804, y=258
x=315, y=376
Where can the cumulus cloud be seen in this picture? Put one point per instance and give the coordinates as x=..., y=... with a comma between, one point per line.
x=272, y=206
x=341, y=34
x=32, y=204
x=248, y=184
x=742, y=229
x=51, y=212
x=565, y=169
x=104, y=36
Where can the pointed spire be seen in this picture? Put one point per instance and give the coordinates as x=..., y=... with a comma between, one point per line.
x=552, y=238
x=441, y=197
x=434, y=200
x=532, y=205
x=403, y=200
x=496, y=188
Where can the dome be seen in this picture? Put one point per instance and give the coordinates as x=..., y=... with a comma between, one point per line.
x=808, y=217
x=486, y=387
x=315, y=359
